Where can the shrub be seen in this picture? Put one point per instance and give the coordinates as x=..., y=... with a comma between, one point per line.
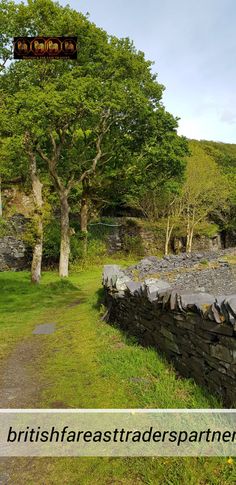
x=133, y=245
x=51, y=243
x=4, y=228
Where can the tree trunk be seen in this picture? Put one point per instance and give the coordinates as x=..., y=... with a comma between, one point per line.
x=0, y=197
x=63, y=191
x=65, y=236
x=84, y=218
x=169, y=230
x=191, y=239
x=167, y=237
x=36, y=264
x=188, y=232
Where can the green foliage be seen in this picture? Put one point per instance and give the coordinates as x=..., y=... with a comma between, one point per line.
x=224, y=155
x=204, y=228
x=111, y=79
x=132, y=244
x=96, y=247
x=51, y=245
x=30, y=233
x=208, y=229
x=110, y=76
x=4, y=228
x=205, y=187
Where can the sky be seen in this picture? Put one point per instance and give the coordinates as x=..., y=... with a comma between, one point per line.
x=193, y=46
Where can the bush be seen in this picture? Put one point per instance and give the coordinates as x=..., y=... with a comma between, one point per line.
x=133, y=245
x=96, y=246
x=4, y=228
x=51, y=244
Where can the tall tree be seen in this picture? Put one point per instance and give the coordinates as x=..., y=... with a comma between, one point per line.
x=205, y=189
x=95, y=118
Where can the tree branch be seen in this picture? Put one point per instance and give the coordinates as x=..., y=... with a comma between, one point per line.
x=42, y=154
x=104, y=127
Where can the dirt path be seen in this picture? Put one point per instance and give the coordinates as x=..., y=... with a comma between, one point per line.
x=19, y=382
x=20, y=388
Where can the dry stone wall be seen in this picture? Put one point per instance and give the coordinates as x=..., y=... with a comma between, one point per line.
x=196, y=331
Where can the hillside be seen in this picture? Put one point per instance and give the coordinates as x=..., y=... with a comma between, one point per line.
x=223, y=153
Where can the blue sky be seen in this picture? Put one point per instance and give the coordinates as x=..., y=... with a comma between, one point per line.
x=193, y=45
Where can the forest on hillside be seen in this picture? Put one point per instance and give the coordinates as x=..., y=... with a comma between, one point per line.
x=92, y=137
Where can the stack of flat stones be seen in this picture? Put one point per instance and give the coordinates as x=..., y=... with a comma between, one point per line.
x=219, y=309
x=195, y=330
x=152, y=264
x=191, y=271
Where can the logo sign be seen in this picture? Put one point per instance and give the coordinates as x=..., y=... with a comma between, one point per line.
x=49, y=47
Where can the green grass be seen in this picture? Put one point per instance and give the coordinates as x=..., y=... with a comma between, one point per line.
x=88, y=363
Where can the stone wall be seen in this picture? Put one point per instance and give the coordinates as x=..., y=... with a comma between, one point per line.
x=200, y=243
x=13, y=251
x=12, y=254
x=140, y=237
x=195, y=331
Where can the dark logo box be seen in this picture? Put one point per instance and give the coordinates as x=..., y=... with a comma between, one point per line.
x=41, y=47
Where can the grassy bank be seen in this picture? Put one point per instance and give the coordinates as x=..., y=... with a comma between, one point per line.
x=87, y=363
